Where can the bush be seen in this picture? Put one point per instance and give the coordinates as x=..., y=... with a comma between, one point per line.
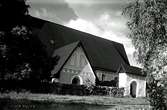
x=86, y=90
x=57, y=88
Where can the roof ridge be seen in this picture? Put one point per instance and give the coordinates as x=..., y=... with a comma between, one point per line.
x=54, y=23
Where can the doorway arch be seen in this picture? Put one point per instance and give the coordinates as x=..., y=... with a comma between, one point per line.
x=76, y=80
x=133, y=88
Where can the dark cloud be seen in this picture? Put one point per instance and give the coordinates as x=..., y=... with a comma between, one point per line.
x=55, y=10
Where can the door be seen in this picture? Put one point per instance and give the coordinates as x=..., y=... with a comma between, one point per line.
x=133, y=87
x=76, y=80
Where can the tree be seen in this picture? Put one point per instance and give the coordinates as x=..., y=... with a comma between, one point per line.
x=13, y=12
x=22, y=54
x=148, y=26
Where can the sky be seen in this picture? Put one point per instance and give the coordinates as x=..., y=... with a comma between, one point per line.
x=102, y=18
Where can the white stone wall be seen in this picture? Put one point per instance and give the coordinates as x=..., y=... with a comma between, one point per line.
x=122, y=80
x=125, y=81
x=107, y=76
x=77, y=65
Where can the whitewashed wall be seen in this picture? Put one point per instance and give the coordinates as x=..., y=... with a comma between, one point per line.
x=125, y=81
x=77, y=65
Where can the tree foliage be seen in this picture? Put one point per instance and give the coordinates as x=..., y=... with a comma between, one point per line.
x=13, y=12
x=148, y=26
x=22, y=55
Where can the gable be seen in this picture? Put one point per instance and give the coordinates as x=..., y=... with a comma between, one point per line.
x=78, y=60
x=77, y=65
x=63, y=53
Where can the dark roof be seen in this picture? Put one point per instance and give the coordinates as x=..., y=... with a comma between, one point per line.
x=131, y=70
x=102, y=54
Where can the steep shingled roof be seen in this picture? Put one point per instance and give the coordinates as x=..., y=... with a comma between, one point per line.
x=102, y=53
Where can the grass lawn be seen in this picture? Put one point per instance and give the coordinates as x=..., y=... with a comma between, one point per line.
x=98, y=100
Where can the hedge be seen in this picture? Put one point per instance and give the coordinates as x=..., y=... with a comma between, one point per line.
x=57, y=88
x=87, y=90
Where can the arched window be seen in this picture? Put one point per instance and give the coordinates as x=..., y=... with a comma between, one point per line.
x=133, y=88
x=77, y=80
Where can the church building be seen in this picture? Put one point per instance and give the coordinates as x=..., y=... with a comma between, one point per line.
x=86, y=59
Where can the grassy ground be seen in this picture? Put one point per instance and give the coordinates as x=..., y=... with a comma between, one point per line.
x=98, y=100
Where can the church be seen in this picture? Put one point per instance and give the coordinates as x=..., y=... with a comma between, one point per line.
x=85, y=59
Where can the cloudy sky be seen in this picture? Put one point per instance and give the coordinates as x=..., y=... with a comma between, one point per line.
x=102, y=18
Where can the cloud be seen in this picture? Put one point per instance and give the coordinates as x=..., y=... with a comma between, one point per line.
x=107, y=22
x=88, y=2
x=47, y=1
x=52, y=10
x=45, y=14
x=84, y=25
x=94, y=8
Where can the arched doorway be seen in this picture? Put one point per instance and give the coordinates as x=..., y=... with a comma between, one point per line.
x=133, y=87
x=77, y=80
